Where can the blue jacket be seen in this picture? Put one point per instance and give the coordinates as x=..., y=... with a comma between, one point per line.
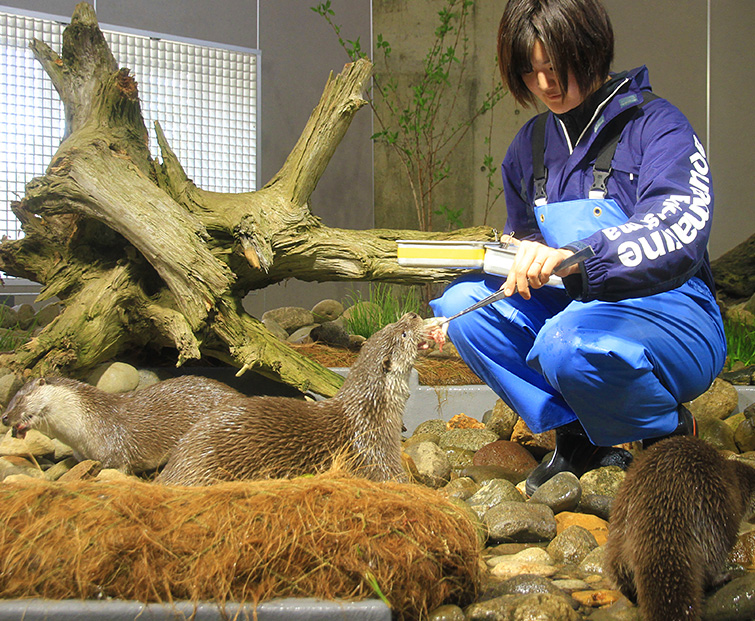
x=660, y=179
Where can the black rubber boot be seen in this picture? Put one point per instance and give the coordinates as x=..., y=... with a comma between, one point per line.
x=576, y=454
x=687, y=427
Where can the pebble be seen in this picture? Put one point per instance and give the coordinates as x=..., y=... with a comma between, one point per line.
x=114, y=377
x=520, y=522
x=561, y=493
x=466, y=439
x=572, y=545
x=515, y=461
x=433, y=467
x=592, y=523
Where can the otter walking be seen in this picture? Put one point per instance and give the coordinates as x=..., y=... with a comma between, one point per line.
x=673, y=524
x=132, y=431
x=280, y=436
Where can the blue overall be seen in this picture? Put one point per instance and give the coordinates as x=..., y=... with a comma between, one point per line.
x=619, y=364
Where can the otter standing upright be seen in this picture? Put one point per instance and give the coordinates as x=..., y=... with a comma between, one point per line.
x=281, y=436
x=673, y=524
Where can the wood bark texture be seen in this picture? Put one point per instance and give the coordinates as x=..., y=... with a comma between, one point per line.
x=141, y=257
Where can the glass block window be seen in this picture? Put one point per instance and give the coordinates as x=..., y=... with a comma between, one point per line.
x=204, y=97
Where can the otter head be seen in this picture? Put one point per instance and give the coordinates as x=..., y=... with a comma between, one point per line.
x=28, y=407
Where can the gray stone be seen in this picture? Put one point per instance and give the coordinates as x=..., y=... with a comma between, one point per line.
x=594, y=562
x=734, y=601
x=572, y=545
x=331, y=333
x=327, y=310
x=47, y=313
x=596, y=504
x=9, y=386
x=433, y=468
x=114, y=377
x=603, y=481
x=492, y=493
x=461, y=489
x=467, y=439
x=274, y=328
x=520, y=522
x=436, y=426
x=302, y=335
x=448, y=612
x=24, y=315
x=147, y=378
x=290, y=318
x=533, y=607
x=501, y=420
x=562, y=492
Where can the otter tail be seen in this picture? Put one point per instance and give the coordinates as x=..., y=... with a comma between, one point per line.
x=670, y=589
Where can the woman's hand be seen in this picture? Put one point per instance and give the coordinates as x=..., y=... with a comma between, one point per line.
x=533, y=267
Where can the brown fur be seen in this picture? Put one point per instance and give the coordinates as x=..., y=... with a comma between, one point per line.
x=673, y=523
x=132, y=431
x=280, y=436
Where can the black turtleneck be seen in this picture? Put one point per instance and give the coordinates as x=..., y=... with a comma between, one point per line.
x=576, y=119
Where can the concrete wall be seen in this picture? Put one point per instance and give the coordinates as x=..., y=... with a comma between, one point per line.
x=298, y=51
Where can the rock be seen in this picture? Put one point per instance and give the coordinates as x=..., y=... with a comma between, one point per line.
x=520, y=522
x=301, y=336
x=417, y=438
x=331, y=333
x=290, y=318
x=596, y=504
x=717, y=433
x=501, y=420
x=111, y=474
x=435, y=426
x=597, y=599
x=462, y=421
x=327, y=310
x=480, y=474
x=562, y=492
x=462, y=488
x=744, y=435
x=534, y=607
x=522, y=584
x=603, y=481
x=531, y=562
x=35, y=443
x=147, y=378
x=24, y=315
x=539, y=444
x=572, y=545
x=114, y=377
x=60, y=468
x=492, y=493
x=9, y=386
x=460, y=459
x=87, y=469
x=47, y=313
x=718, y=402
x=734, y=601
x=448, y=612
x=466, y=439
x=433, y=467
x=8, y=318
x=515, y=461
x=595, y=525
x=735, y=420
x=12, y=465
x=274, y=328
x=743, y=552
x=594, y=562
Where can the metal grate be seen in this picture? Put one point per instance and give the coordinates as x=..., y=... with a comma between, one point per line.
x=204, y=97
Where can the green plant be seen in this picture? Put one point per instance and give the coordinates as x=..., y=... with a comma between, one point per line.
x=419, y=121
x=386, y=304
x=740, y=341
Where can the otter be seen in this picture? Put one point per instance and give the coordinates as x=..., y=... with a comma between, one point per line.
x=276, y=437
x=131, y=431
x=673, y=524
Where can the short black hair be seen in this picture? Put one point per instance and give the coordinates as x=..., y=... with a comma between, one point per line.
x=576, y=34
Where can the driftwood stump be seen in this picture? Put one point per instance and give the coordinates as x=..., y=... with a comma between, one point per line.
x=142, y=257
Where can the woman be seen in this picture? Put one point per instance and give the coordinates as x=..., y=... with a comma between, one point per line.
x=636, y=330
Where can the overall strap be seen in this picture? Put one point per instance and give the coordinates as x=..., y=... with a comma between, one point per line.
x=601, y=170
x=539, y=171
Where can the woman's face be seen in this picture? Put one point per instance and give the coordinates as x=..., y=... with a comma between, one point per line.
x=542, y=83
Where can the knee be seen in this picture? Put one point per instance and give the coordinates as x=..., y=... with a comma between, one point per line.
x=460, y=294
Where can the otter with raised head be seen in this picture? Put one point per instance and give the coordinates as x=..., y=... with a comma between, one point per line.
x=673, y=524
x=131, y=431
x=272, y=437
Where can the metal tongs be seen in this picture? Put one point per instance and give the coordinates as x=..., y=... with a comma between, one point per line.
x=577, y=257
